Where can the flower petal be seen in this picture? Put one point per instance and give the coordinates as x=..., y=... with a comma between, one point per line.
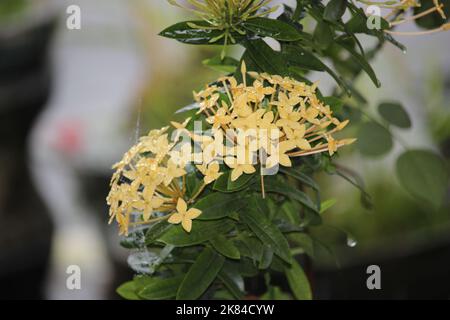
x=181, y=206
x=186, y=224
x=175, y=218
x=193, y=213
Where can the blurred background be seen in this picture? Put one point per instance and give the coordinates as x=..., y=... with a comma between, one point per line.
x=73, y=101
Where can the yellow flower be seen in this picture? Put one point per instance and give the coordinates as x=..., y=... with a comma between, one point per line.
x=220, y=118
x=238, y=169
x=288, y=118
x=258, y=91
x=297, y=137
x=332, y=145
x=278, y=154
x=241, y=105
x=310, y=113
x=210, y=171
x=180, y=128
x=182, y=155
x=173, y=171
x=208, y=103
x=146, y=205
x=184, y=216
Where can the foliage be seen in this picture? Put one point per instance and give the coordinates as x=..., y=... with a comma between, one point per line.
x=220, y=224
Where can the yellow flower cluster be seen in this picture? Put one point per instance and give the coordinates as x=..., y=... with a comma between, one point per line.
x=259, y=126
x=145, y=181
x=275, y=117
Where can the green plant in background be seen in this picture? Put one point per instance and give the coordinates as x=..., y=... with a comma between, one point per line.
x=203, y=231
x=9, y=8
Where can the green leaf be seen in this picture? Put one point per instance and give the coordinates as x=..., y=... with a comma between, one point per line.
x=291, y=210
x=424, y=175
x=240, y=183
x=200, y=275
x=358, y=24
x=221, y=184
x=335, y=104
x=298, y=282
x=186, y=33
x=266, y=27
x=275, y=293
x=374, y=140
x=250, y=247
x=276, y=186
x=266, y=258
x=327, y=204
x=361, y=61
x=268, y=60
x=201, y=231
x=128, y=291
x=305, y=59
x=300, y=176
x=218, y=205
x=334, y=10
x=156, y=231
x=255, y=217
x=161, y=288
x=302, y=58
x=226, y=65
x=193, y=183
x=394, y=113
x=225, y=247
x=230, y=283
x=323, y=35
x=304, y=241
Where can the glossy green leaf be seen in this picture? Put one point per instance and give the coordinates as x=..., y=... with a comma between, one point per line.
x=304, y=241
x=424, y=175
x=241, y=183
x=250, y=247
x=334, y=10
x=395, y=114
x=276, y=186
x=358, y=24
x=200, y=275
x=225, y=247
x=300, y=176
x=255, y=217
x=374, y=140
x=302, y=58
x=230, y=283
x=156, y=231
x=193, y=183
x=201, y=231
x=161, y=288
x=266, y=27
x=298, y=282
x=361, y=61
x=266, y=258
x=218, y=205
x=323, y=35
x=128, y=291
x=305, y=59
x=186, y=33
x=335, y=103
x=265, y=57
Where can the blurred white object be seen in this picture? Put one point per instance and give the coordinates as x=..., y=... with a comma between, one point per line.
x=97, y=77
